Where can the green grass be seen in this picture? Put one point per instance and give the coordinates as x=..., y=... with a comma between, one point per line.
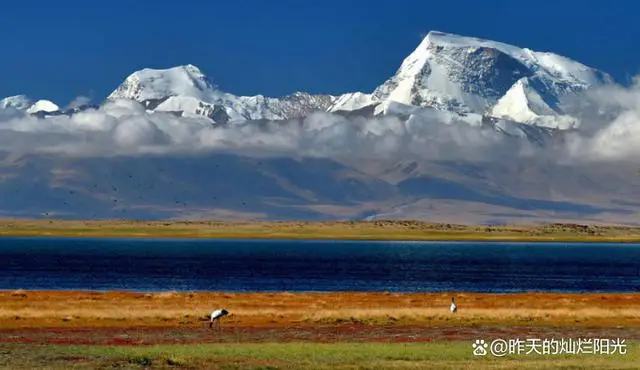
x=438, y=355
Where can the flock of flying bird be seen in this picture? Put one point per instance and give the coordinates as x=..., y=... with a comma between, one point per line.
x=218, y=314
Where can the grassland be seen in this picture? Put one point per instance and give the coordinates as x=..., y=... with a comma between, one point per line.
x=56, y=308
x=374, y=230
x=448, y=355
x=304, y=330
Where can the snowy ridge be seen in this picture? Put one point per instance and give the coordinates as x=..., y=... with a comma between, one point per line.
x=154, y=84
x=351, y=102
x=470, y=75
x=187, y=90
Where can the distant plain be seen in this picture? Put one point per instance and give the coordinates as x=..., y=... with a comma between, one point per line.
x=353, y=230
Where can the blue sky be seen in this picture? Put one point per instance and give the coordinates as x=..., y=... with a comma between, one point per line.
x=63, y=49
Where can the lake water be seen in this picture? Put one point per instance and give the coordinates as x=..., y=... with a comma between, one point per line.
x=277, y=265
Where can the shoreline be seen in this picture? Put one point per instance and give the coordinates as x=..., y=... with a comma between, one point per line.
x=44, y=308
x=329, y=230
x=125, y=292
x=435, y=238
x=125, y=330
x=319, y=237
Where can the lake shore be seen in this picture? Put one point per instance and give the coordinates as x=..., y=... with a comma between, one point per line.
x=24, y=308
x=347, y=230
x=89, y=329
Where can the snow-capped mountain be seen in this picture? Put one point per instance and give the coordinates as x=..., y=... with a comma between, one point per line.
x=454, y=80
x=23, y=103
x=45, y=106
x=458, y=74
x=186, y=90
x=470, y=79
x=471, y=75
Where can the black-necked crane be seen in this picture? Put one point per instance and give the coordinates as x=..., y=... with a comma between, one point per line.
x=216, y=315
x=453, y=306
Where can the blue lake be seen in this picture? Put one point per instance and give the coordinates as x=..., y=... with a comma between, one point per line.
x=278, y=265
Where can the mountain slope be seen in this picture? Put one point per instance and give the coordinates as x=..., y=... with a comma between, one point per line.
x=351, y=102
x=222, y=186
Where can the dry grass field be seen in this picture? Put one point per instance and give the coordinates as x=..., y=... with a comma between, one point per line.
x=373, y=230
x=69, y=309
x=302, y=330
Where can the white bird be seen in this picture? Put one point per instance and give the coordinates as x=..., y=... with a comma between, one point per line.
x=453, y=307
x=216, y=315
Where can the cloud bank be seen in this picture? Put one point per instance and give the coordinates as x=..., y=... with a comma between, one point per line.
x=609, y=130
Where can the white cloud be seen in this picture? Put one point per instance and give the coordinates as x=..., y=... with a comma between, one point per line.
x=609, y=118
x=609, y=124
x=78, y=102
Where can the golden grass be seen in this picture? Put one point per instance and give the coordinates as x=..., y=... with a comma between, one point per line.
x=376, y=230
x=41, y=308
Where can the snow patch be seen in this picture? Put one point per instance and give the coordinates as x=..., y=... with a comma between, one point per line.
x=351, y=102
x=43, y=106
x=524, y=104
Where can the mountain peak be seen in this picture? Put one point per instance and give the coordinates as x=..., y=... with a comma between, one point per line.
x=189, y=69
x=46, y=106
x=186, y=91
x=435, y=36
x=552, y=63
x=158, y=84
x=468, y=74
x=454, y=40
